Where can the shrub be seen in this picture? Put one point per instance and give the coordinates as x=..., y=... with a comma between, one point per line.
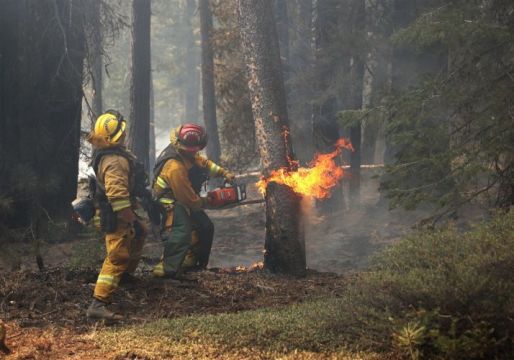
x=447, y=294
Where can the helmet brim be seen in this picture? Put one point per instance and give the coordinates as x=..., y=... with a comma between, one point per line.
x=191, y=149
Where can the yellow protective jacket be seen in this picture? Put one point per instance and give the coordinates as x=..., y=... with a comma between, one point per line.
x=175, y=177
x=113, y=173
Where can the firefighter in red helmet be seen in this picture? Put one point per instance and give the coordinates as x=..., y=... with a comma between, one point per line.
x=179, y=173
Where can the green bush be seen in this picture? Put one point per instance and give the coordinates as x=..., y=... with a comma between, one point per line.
x=446, y=293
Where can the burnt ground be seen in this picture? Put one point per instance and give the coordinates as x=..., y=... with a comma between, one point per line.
x=45, y=311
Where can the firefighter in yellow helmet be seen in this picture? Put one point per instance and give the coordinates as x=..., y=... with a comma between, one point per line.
x=178, y=176
x=116, y=180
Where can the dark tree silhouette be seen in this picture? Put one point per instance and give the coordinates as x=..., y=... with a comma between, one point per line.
x=139, y=138
x=41, y=67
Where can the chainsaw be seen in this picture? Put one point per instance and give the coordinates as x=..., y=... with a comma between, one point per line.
x=229, y=195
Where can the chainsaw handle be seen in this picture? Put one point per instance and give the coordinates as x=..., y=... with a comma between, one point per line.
x=228, y=183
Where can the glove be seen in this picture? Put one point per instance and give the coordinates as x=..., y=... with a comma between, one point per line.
x=127, y=215
x=230, y=177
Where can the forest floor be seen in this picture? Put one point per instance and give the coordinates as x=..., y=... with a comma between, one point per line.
x=45, y=311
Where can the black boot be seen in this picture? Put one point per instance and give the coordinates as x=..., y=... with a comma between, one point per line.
x=128, y=280
x=98, y=311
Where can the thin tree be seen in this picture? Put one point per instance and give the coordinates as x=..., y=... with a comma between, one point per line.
x=95, y=58
x=209, y=97
x=140, y=86
x=377, y=77
x=325, y=125
x=282, y=23
x=301, y=59
x=284, y=245
x=152, y=149
x=192, y=61
x=353, y=26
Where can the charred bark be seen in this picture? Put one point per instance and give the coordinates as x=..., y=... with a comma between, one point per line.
x=285, y=248
x=139, y=138
x=209, y=97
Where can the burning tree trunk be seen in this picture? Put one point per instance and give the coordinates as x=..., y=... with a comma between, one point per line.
x=209, y=96
x=140, y=87
x=285, y=249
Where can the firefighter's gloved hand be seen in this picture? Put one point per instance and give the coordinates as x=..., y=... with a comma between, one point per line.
x=127, y=215
x=230, y=177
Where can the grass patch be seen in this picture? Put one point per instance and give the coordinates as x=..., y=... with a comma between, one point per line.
x=303, y=330
x=89, y=252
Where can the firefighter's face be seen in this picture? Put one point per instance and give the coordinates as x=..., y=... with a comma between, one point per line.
x=123, y=138
x=187, y=155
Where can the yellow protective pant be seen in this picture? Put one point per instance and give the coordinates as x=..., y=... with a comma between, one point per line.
x=124, y=251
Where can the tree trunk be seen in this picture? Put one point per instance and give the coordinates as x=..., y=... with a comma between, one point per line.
x=370, y=85
x=96, y=61
x=209, y=97
x=355, y=103
x=353, y=72
x=282, y=23
x=41, y=67
x=301, y=61
x=192, y=113
x=152, y=128
x=140, y=87
x=285, y=248
x=325, y=125
x=379, y=16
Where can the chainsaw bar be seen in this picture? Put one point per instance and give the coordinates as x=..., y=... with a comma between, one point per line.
x=233, y=205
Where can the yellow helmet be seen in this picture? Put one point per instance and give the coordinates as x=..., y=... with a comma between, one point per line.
x=111, y=126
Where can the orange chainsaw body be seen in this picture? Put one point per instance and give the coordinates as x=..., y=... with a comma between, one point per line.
x=227, y=195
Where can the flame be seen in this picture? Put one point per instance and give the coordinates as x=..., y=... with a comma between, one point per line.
x=256, y=266
x=316, y=180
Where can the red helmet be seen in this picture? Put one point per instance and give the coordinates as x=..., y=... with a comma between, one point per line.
x=191, y=137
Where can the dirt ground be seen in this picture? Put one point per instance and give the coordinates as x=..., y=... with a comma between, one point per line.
x=45, y=311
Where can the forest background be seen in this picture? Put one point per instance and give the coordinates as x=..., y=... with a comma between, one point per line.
x=423, y=89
